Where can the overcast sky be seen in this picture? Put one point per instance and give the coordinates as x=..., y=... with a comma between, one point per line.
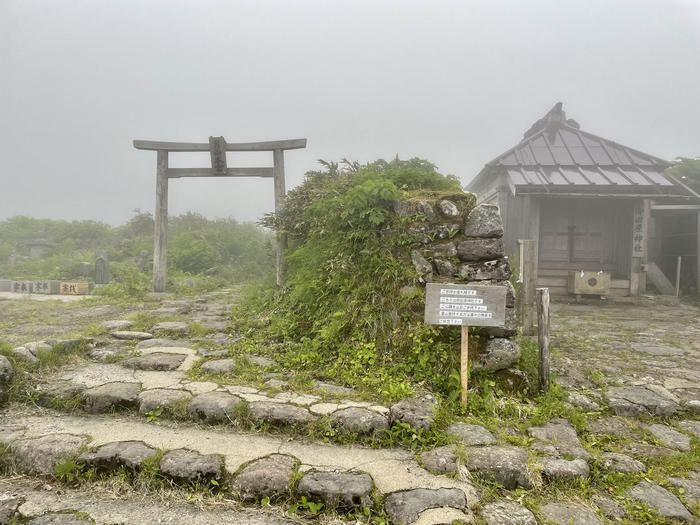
x=454, y=82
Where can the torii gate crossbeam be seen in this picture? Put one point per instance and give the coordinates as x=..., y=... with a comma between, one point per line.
x=217, y=147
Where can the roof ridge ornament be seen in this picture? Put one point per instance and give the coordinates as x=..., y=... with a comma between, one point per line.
x=553, y=120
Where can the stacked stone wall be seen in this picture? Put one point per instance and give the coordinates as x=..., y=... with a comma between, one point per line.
x=457, y=241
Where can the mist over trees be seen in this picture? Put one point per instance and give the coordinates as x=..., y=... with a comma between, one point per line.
x=687, y=171
x=216, y=251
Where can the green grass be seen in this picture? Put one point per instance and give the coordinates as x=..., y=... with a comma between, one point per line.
x=27, y=374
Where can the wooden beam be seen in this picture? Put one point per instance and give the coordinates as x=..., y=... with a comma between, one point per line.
x=280, y=191
x=615, y=195
x=160, y=242
x=176, y=173
x=690, y=207
x=272, y=145
x=659, y=279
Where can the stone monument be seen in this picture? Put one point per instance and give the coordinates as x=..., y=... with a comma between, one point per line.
x=102, y=274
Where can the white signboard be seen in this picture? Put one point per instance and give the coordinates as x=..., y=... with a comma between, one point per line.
x=465, y=304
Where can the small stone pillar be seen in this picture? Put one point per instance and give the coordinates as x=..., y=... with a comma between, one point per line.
x=102, y=273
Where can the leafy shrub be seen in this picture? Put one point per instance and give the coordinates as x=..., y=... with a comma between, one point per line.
x=127, y=282
x=343, y=316
x=190, y=252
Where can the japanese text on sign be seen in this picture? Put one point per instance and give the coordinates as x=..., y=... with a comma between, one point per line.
x=470, y=305
x=638, y=232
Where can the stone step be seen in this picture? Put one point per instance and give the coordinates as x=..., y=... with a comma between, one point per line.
x=129, y=454
x=31, y=501
x=406, y=506
x=247, y=466
x=149, y=384
x=337, y=489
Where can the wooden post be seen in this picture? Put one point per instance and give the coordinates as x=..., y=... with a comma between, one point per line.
x=280, y=191
x=543, y=336
x=464, y=363
x=678, y=276
x=160, y=243
x=535, y=205
x=528, y=281
x=645, y=256
x=640, y=231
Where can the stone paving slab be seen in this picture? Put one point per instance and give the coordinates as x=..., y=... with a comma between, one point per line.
x=344, y=489
x=660, y=500
x=159, y=379
x=570, y=514
x=117, y=324
x=471, y=434
x=166, y=343
x=652, y=353
x=129, y=335
x=159, y=361
x=670, y=437
x=96, y=374
x=177, y=327
x=506, y=465
x=111, y=396
x=507, y=512
x=159, y=398
x=270, y=476
x=130, y=454
x=190, y=353
x=199, y=387
x=189, y=465
x=405, y=507
x=133, y=508
x=42, y=454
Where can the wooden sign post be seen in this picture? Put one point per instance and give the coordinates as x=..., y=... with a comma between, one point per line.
x=464, y=364
x=217, y=148
x=465, y=305
x=543, y=336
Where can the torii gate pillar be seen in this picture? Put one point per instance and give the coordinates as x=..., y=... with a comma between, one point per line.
x=280, y=192
x=160, y=245
x=217, y=147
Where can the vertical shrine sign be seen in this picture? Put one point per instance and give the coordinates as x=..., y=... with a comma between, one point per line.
x=638, y=237
x=465, y=305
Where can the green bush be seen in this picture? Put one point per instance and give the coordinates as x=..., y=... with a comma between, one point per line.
x=190, y=252
x=343, y=316
x=127, y=281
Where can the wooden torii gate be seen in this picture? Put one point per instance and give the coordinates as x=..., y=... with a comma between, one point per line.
x=217, y=147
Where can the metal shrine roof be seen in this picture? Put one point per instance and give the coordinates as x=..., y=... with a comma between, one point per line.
x=556, y=156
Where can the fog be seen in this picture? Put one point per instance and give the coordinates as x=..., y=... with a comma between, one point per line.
x=456, y=83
